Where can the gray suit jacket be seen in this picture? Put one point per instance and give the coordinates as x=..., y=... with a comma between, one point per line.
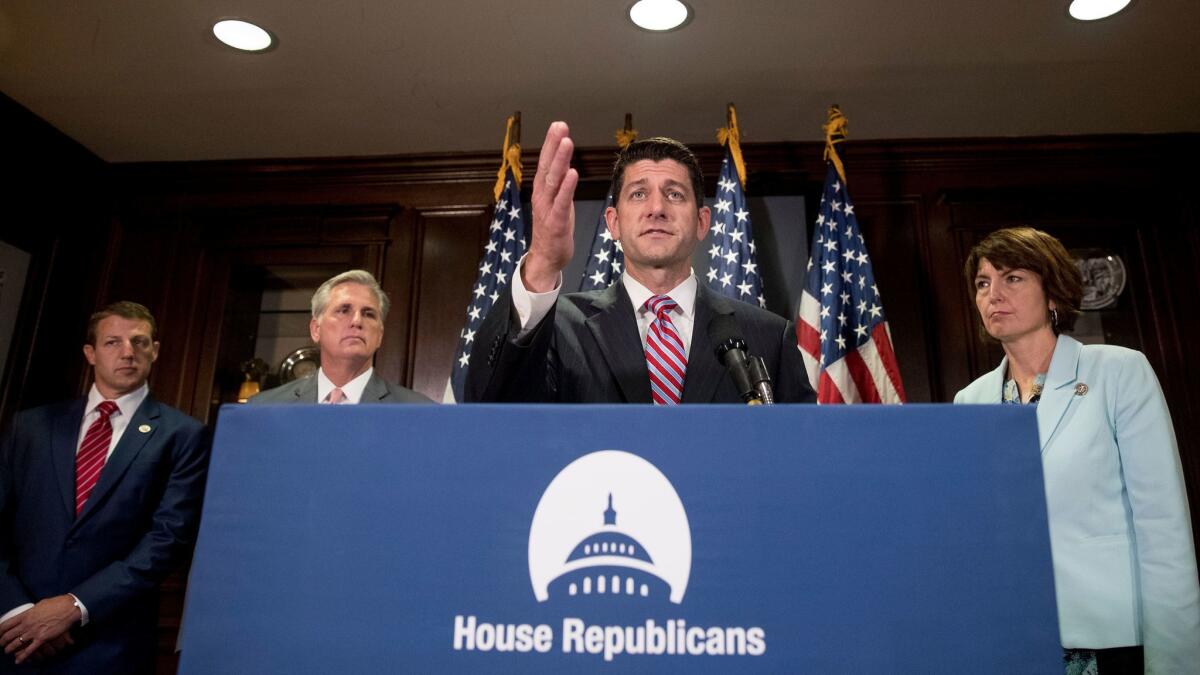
x=304, y=390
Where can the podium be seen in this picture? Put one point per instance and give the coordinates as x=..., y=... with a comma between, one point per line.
x=487, y=538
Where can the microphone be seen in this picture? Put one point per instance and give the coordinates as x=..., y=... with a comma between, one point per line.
x=731, y=350
x=761, y=380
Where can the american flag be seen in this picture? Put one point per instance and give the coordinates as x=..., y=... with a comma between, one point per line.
x=842, y=332
x=606, y=260
x=732, y=270
x=505, y=246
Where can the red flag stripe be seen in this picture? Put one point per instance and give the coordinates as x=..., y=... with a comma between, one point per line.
x=887, y=357
x=860, y=374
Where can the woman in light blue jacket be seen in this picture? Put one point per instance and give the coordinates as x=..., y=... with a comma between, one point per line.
x=1120, y=534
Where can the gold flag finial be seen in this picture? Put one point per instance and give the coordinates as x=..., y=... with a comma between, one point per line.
x=835, y=132
x=628, y=134
x=510, y=153
x=731, y=135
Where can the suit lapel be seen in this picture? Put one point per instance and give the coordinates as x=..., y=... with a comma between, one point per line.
x=993, y=384
x=306, y=392
x=704, y=372
x=615, y=329
x=1058, y=391
x=375, y=391
x=131, y=444
x=64, y=442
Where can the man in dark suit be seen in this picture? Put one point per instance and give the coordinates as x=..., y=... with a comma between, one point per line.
x=99, y=501
x=348, y=312
x=644, y=339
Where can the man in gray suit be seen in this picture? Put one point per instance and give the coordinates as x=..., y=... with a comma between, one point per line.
x=347, y=325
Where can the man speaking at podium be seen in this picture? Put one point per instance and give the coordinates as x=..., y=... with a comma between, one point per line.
x=348, y=311
x=645, y=339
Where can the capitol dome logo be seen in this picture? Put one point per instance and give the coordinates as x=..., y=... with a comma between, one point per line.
x=610, y=524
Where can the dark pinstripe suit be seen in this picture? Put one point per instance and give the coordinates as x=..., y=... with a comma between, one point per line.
x=588, y=350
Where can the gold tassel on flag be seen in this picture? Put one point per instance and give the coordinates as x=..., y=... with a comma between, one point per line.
x=628, y=134
x=732, y=135
x=835, y=132
x=511, y=153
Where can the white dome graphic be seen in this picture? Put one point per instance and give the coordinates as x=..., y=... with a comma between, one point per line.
x=609, y=524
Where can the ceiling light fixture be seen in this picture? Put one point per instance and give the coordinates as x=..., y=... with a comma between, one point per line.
x=243, y=35
x=1091, y=10
x=659, y=15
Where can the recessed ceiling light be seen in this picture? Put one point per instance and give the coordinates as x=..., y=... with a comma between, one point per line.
x=1090, y=10
x=659, y=15
x=243, y=35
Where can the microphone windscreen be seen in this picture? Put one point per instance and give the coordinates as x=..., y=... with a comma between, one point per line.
x=724, y=334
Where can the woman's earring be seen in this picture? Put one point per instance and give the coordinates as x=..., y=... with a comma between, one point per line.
x=1054, y=318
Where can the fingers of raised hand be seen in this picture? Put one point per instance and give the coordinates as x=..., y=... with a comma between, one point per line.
x=554, y=136
x=563, y=208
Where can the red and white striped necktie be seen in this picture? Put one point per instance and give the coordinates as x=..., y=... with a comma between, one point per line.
x=93, y=452
x=666, y=359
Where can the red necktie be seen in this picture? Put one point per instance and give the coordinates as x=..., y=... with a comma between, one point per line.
x=336, y=396
x=666, y=359
x=93, y=452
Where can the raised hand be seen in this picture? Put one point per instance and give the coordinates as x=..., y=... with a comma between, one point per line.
x=553, y=211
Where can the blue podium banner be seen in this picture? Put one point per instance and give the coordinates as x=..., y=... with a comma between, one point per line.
x=860, y=539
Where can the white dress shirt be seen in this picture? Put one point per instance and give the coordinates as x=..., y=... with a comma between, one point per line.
x=532, y=307
x=126, y=406
x=352, y=389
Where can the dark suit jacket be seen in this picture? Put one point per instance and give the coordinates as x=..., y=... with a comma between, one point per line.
x=138, y=525
x=588, y=350
x=304, y=390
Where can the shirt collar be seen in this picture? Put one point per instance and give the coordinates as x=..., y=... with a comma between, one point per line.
x=684, y=294
x=352, y=389
x=127, y=404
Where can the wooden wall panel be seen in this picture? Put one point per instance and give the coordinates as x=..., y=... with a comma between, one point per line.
x=443, y=289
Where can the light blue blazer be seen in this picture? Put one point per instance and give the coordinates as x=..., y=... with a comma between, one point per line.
x=1120, y=533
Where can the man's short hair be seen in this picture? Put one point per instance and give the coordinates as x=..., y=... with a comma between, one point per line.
x=658, y=149
x=125, y=310
x=321, y=298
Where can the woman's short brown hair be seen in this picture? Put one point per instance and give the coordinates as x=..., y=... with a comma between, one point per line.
x=1040, y=253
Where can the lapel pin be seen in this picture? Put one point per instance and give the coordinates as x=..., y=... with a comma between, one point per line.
x=1081, y=389
x=145, y=428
